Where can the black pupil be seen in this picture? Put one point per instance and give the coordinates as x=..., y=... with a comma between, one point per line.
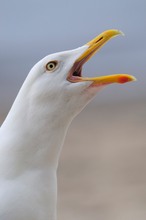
x=51, y=66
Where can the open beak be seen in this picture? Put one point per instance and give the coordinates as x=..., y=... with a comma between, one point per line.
x=93, y=46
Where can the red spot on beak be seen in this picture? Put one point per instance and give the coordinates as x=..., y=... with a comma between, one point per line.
x=123, y=79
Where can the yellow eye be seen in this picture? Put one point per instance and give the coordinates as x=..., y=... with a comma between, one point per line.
x=51, y=65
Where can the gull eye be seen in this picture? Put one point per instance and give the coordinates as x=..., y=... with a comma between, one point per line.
x=51, y=65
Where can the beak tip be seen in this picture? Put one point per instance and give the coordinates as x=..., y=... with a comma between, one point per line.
x=121, y=33
x=126, y=78
x=116, y=32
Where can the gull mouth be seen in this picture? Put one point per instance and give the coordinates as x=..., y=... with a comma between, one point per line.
x=75, y=74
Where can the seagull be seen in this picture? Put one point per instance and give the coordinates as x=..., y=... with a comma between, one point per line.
x=32, y=135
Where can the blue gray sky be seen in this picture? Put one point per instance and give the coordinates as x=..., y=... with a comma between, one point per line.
x=31, y=29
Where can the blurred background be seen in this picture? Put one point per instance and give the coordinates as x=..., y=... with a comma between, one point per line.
x=102, y=171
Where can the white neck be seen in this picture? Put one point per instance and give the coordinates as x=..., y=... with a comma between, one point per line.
x=39, y=145
x=35, y=146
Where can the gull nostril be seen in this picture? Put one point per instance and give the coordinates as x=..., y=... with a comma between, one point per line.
x=99, y=39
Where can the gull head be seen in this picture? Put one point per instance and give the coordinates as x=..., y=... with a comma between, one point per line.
x=57, y=79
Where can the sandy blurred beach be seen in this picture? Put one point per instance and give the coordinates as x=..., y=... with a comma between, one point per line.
x=102, y=170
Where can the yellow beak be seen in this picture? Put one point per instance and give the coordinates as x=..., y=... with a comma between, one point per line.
x=93, y=46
